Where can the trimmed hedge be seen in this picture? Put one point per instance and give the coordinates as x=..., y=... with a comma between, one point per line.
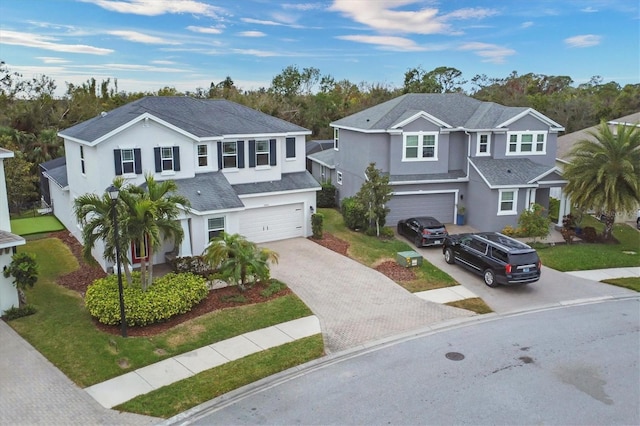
x=170, y=295
x=326, y=198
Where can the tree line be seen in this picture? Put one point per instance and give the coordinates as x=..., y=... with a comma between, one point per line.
x=31, y=114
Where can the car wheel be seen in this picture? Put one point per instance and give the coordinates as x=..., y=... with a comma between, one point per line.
x=448, y=256
x=490, y=278
x=418, y=242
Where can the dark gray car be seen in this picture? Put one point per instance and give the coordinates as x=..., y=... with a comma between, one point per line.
x=423, y=231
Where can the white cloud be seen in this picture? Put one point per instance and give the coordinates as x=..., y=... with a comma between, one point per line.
x=48, y=43
x=261, y=22
x=139, y=37
x=490, y=52
x=204, y=30
x=258, y=53
x=158, y=7
x=385, y=42
x=252, y=34
x=381, y=16
x=588, y=9
x=586, y=40
x=163, y=62
x=303, y=6
x=52, y=60
x=527, y=24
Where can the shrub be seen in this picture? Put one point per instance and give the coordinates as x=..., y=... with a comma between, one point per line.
x=316, y=225
x=23, y=311
x=589, y=234
x=567, y=234
x=326, y=198
x=193, y=264
x=554, y=209
x=509, y=231
x=170, y=295
x=274, y=287
x=532, y=222
x=353, y=213
x=387, y=232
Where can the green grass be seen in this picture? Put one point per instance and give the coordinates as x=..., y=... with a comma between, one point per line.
x=35, y=225
x=372, y=250
x=632, y=283
x=474, y=304
x=584, y=256
x=180, y=396
x=64, y=332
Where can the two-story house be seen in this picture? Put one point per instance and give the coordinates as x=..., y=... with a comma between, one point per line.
x=242, y=170
x=446, y=151
x=8, y=242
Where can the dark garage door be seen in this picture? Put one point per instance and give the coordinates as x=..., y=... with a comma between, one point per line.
x=440, y=206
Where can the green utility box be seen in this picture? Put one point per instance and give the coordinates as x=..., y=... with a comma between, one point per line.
x=408, y=258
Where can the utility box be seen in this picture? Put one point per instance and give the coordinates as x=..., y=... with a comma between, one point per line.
x=408, y=259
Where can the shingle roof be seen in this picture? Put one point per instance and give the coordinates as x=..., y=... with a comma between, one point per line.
x=326, y=158
x=452, y=175
x=7, y=239
x=288, y=182
x=455, y=109
x=199, y=117
x=509, y=171
x=209, y=191
x=56, y=169
x=318, y=145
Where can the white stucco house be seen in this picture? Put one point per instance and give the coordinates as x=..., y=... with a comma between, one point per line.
x=8, y=242
x=242, y=170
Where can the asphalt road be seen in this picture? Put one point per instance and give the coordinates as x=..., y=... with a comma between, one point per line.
x=576, y=364
x=553, y=288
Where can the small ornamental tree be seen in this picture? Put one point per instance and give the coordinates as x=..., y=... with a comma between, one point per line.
x=24, y=270
x=374, y=194
x=533, y=223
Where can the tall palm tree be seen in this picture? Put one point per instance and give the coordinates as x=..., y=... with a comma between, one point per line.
x=239, y=259
x=604, y=173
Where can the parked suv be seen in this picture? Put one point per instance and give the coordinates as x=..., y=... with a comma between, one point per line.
x=498, y=258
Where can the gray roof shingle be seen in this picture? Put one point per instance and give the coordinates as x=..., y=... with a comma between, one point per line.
x=7, y=239
x=454, y=109
x=200, y=117
x=509, y=171
x=326, y=158
x=451, y=175
x=288, y=182
x=56, y=169
x=208, y=192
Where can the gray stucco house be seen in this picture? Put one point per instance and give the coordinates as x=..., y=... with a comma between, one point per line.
x=447, y=151
x=242, y=170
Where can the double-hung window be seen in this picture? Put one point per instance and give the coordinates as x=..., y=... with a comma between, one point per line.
x=215, y=226
x=534, y=143
x=229, y=155
x=82, y=159
x=203, y=156
x=507, y=202
x=166, y=156
x=128, y=161
x=483, y=148
x=336, y=139
x=262, y=153
x=421, y=146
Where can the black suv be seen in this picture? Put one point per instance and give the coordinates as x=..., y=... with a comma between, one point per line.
x=498, y=258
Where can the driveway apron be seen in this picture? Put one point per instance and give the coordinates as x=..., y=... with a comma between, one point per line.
x=33, y=391
x=355, y=304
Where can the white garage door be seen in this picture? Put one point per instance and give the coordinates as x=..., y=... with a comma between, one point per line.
x=272, y=223
x=440, y=206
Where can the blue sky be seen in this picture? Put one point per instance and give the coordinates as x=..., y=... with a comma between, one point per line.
x=150, y=44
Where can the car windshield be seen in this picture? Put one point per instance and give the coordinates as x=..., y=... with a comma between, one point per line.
x=523, y=258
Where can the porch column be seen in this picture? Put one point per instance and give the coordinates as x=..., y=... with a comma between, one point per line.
x=565, y=207
x=185, y=245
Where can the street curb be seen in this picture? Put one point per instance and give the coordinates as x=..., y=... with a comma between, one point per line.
x=199, y=411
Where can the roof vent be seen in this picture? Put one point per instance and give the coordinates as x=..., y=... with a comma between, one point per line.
x=198, y=191
x=508, y=170
x=103, y=114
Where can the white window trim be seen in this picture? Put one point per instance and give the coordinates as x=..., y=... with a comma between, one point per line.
x=198, y=156
x=339, y=178
x=336, y=139
x=420, y=146
x=268, y=152
x=514, y=210
x=478, y=152
x=223, y=229
x=132, y=161
x=229, y=155
x=172, y=170
x=534, y=142
x=83, y=164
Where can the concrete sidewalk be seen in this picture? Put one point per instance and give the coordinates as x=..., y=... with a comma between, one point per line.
x=607, y=274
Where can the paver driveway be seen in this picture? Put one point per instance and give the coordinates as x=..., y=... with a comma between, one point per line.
x=355, y=304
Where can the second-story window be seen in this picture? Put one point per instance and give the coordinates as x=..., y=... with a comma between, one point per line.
x=203, y=156
x=167, y=158
x=262, y=153
x=336, y=139
x=534, y=143
x=483, y=147
x=229, y=155
x=82, y=159
x=420, y=146
x=128, y=161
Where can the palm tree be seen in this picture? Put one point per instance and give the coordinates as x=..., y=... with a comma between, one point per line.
x=238, y=259
x=604, y=173
x=95, y=214
x=152, y=211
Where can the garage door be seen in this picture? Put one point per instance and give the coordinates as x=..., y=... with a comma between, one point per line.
x=272, y=223
x=440, y=206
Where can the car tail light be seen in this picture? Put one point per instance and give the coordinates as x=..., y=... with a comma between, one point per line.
x=507, y=268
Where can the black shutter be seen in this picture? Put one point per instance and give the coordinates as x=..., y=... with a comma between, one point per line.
x=240, y=151
x=291, y=147
x=138, y=160
x=156, y=152
x=219, y=155
x=252, y=153
x=176, y=158
x=272, y=152
x=117, y=161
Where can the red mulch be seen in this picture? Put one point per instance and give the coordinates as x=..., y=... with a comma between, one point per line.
x=390, y=268
x=80, y=279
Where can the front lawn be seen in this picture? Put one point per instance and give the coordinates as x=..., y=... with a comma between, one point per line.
x=372, y=251
x=632, y=283
x=583, y=256
x=64, y=332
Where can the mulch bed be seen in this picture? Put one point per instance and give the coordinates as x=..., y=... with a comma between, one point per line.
x=217, y=299
x=390, y=268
